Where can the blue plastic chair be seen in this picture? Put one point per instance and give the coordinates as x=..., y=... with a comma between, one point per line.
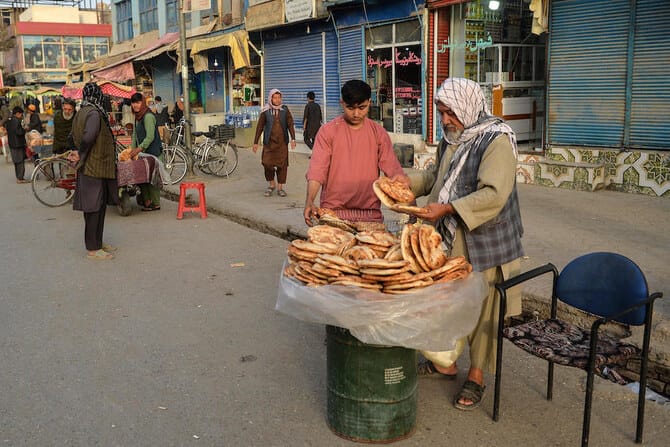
x=609, y=286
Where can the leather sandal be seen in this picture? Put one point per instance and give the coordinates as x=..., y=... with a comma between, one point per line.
x=281, y=193
x=426, y=368
x=100, y=255
x=471, y=391
x=268, y=191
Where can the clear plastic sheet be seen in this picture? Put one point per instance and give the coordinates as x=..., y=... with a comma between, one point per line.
x=432, y=319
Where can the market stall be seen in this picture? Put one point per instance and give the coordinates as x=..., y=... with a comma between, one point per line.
x=382, y=295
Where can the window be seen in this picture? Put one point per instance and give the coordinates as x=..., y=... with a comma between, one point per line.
x=394, y=73
x=33, y=55
x=72, y=47
x=53, y=48
x=172, y=8
x=124, y=20
x=148, y=15
x=101, y=46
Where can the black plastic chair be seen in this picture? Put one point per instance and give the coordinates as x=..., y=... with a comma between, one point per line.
x=609, y=286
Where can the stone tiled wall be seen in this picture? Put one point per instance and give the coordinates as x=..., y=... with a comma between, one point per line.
x=640, y=172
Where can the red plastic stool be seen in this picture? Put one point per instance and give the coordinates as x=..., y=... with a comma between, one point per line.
x=202, y=203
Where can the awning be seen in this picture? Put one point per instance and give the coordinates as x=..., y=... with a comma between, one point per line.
x=123, y=70
x=237, y=41
x=74, y=91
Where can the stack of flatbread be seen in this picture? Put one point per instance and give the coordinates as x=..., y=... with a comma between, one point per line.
x=395, y=195
x=373, y=259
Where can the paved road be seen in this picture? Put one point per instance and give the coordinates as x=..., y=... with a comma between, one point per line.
x=147, y=349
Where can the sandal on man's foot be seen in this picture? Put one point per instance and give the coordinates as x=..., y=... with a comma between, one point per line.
x=108, y=248
x=268, y=191
x=471, y=391
x=100, y=255
x=281, y=193
x=426, y=368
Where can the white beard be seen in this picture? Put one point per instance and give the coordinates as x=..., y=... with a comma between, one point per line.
x=67, y=116
x=452, y=136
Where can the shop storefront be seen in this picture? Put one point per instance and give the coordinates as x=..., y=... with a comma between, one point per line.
x=496, y=48
x=394, y=72
x=383, y=45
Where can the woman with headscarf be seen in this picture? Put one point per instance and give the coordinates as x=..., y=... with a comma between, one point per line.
x=95, y=160
x=275, y=123
x=472, y=200
x=146, y=139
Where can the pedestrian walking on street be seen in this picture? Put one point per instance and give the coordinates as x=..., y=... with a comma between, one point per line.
x=349, y=152
x=275, y=123
x=63, y=126
x=95, y=158
x=146, y=139
x=162, y=118
x=16, y=137
x=473, y=203
x=311, y=120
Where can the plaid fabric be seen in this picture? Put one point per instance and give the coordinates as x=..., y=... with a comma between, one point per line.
x=135, y=172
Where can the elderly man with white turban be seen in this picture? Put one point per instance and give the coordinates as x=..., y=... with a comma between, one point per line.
x=473, y=203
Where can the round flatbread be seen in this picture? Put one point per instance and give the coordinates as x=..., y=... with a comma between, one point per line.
x=358, y=252
x=341, y=268
x=301, y=254
x=394, y=253
x=380, y=238
x=397, y=191
x=326, y=234
x=408, y=209
x=383, y=197
x=431, y=247
x=453, y=263
x=407, y=285
x=416, y=249
x=329, y=272
x=345, y=282
x=382, y=264
x=384, y=272
x=404, y=276
x=314, y=247
x=406, y=248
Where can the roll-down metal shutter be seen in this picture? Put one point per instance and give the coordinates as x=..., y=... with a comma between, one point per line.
x=588, y=71
x=351, y=54
x=295, y=66
x=650, y=89
x=331, y=105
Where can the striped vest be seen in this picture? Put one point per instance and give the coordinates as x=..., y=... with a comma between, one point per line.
x=100, y=161
x=497, y=241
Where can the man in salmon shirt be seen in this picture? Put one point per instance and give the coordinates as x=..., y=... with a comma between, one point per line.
x=348, y=154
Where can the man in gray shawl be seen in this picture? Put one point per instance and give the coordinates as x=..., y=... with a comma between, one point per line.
x=472, y=200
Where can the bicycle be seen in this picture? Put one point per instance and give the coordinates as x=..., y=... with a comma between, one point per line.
x=53, y=180
x=209, y=155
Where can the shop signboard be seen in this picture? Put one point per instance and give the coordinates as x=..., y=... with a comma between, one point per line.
x=265, y=15
x=297, y=10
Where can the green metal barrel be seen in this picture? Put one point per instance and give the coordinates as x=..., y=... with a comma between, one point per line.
x=372, y=389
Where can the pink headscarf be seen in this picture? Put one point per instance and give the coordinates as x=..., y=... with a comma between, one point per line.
x=269, y=105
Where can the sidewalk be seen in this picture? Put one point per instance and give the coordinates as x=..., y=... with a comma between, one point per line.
x=559, y=225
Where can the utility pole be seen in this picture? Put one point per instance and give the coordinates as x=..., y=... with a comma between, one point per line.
x=183, y=60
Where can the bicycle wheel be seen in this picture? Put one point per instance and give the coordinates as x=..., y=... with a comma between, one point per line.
x=222, y=159
x=53, y=182
x=176, y=164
